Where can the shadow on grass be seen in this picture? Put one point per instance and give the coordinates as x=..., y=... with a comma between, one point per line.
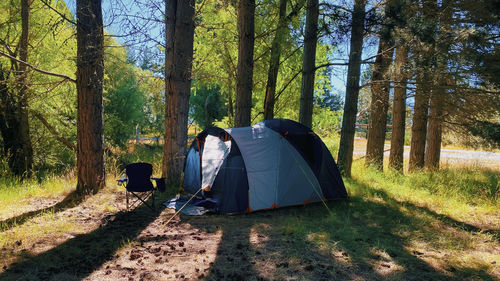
x=360, y=239
x=443, y=218
x=70, y=201
x=81, y=255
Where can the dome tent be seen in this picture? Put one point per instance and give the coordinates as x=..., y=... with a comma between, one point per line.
x=272, y=164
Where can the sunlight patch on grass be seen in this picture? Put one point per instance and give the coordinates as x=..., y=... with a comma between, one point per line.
x=45, y=229
x=469, y=195
x=17, y=197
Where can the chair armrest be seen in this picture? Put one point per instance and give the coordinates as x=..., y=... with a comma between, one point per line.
x=160, y=184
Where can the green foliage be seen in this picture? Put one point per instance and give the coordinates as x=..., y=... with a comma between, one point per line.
x=206, y=105
x=51, y=47
x=123, y=99
x=216, y=56
x=489, y=131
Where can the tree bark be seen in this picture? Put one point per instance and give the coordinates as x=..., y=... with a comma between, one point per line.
x=178, y=62
x=23, y=159
x=419, y=127
x=308, y=63
x=399, y=110
x=439, y=93
x=434, y=131
x=352, y=89
x=244, y=75
x=379, y=103
x=89, y=77
x=274, y=62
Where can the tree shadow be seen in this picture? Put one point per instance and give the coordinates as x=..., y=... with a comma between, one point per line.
x=359, y=239
x=78, y=257
x=70, y=201
x=441, y=217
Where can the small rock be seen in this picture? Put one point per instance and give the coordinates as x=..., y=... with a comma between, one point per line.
x=19, y=242
x=494, y=262
x=386, y=265
x=202, y=251
x=166, y=272
x=108, y=272
x=181, y=244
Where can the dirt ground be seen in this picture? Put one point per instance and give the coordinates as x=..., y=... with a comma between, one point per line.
x=138, y=245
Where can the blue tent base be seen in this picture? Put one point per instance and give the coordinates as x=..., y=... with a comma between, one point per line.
x=195, y=207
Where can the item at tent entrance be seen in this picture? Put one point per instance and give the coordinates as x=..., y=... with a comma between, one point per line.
x=195, y=207
x=138, y=183
x=272, y=164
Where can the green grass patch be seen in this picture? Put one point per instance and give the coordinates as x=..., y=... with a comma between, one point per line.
x=15, y=194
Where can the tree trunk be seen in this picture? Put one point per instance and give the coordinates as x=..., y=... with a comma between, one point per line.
x=379, y=103
x=352, y=89
x=274, y=62
x=178, y=62
x=399, y=110
x=89, y=84
x=419, y=127
x=439, y=93
x=244, y=75
x=434, y=131
x=309, y=63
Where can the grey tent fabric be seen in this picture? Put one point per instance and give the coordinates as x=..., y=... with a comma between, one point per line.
x=277, y=174
x=272, y=164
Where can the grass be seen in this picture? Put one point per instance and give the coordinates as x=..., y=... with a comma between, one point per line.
x=17, y=197
x=420, y=226
x=409, y=227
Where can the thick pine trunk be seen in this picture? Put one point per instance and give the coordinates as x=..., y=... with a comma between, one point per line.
x=379, y=103
x=352, y=89
x=178, y=62
x=89, y=84
x=398, y=110
x=309, y=63
x=439, y=94
x=274, y=62
x=244, y=75
x=419, y=126
x=434, y=131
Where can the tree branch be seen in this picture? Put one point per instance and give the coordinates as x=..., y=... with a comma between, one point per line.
x=65, y=77
x=54, y=131
x=57, y=12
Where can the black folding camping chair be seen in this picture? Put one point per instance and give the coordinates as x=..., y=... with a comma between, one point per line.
x=138, y=183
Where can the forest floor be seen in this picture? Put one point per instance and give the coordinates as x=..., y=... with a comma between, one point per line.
x=440, y=226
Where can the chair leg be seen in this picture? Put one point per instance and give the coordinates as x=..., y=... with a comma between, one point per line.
x=126, y=195
x=153, y=198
